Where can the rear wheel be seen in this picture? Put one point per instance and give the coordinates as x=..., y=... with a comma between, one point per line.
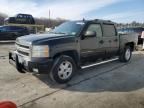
x=126, y=55
x=63, y=69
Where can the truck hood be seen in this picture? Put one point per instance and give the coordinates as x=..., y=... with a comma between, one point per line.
x=29, y=39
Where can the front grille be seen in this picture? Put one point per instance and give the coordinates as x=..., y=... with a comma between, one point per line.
x=23, y=49
x=23, y=46
x=23, y=53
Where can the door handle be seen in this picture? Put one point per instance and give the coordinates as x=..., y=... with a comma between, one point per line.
x=101, y=41
x=116, y=40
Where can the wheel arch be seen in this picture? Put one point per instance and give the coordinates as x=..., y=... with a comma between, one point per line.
x=131, y=44
x=71, y=53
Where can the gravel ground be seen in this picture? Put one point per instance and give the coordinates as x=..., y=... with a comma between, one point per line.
x=111, y=85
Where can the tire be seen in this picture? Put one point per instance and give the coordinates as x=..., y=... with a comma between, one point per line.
x=63, y=69
x=13, y=37
x=126, y=55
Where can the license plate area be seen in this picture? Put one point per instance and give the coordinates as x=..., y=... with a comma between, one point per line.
x=20, y=59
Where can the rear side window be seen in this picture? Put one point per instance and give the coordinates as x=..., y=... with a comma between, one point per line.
x=109, y=30
x=96, y=28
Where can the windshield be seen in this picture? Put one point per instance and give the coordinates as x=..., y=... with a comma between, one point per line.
x=69, y=28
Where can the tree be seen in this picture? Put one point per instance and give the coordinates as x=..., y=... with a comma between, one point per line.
x=2, y=17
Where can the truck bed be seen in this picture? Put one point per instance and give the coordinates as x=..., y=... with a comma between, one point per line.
x=128, y=37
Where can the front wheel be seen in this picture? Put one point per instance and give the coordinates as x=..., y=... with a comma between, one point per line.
x=63, y=69
x=126, y=55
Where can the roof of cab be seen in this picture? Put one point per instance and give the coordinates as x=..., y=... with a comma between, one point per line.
x=98, y=20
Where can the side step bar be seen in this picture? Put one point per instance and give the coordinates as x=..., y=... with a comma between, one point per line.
x=99, y=63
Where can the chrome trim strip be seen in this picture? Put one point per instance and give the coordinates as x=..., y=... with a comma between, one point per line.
x=103, y=62
x=27, y=58
x=22, y=49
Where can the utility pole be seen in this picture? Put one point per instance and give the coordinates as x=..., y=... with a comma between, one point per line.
x=49, y=14
x=49, y=18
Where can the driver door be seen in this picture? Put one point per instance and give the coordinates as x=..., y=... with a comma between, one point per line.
x=90, y=46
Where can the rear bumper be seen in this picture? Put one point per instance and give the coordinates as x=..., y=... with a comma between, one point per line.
x=39, y=66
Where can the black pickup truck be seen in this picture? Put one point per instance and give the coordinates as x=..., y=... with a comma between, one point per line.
x=72, y=45
x=20, y=19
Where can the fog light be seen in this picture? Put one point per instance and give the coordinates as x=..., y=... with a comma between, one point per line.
x=35, y=70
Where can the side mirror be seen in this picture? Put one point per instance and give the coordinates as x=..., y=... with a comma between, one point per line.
x=90, y=34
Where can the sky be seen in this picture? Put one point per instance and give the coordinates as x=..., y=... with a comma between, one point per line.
x=124, y=11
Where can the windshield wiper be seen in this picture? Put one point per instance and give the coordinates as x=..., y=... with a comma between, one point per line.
x=58, y=32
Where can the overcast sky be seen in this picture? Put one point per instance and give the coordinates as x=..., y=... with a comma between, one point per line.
x=116, y=10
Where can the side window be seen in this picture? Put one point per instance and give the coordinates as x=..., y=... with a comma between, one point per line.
x=24, y=16
x=6, y=28
x=20, y=16
x=109, y=30
x=96, y=28
x=31, y=17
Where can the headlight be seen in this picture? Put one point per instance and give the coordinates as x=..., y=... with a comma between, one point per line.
x=40, y=51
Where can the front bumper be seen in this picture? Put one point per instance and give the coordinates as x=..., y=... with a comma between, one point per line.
x=36, y=66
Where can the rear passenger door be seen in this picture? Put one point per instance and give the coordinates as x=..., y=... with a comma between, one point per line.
x=111, y=39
